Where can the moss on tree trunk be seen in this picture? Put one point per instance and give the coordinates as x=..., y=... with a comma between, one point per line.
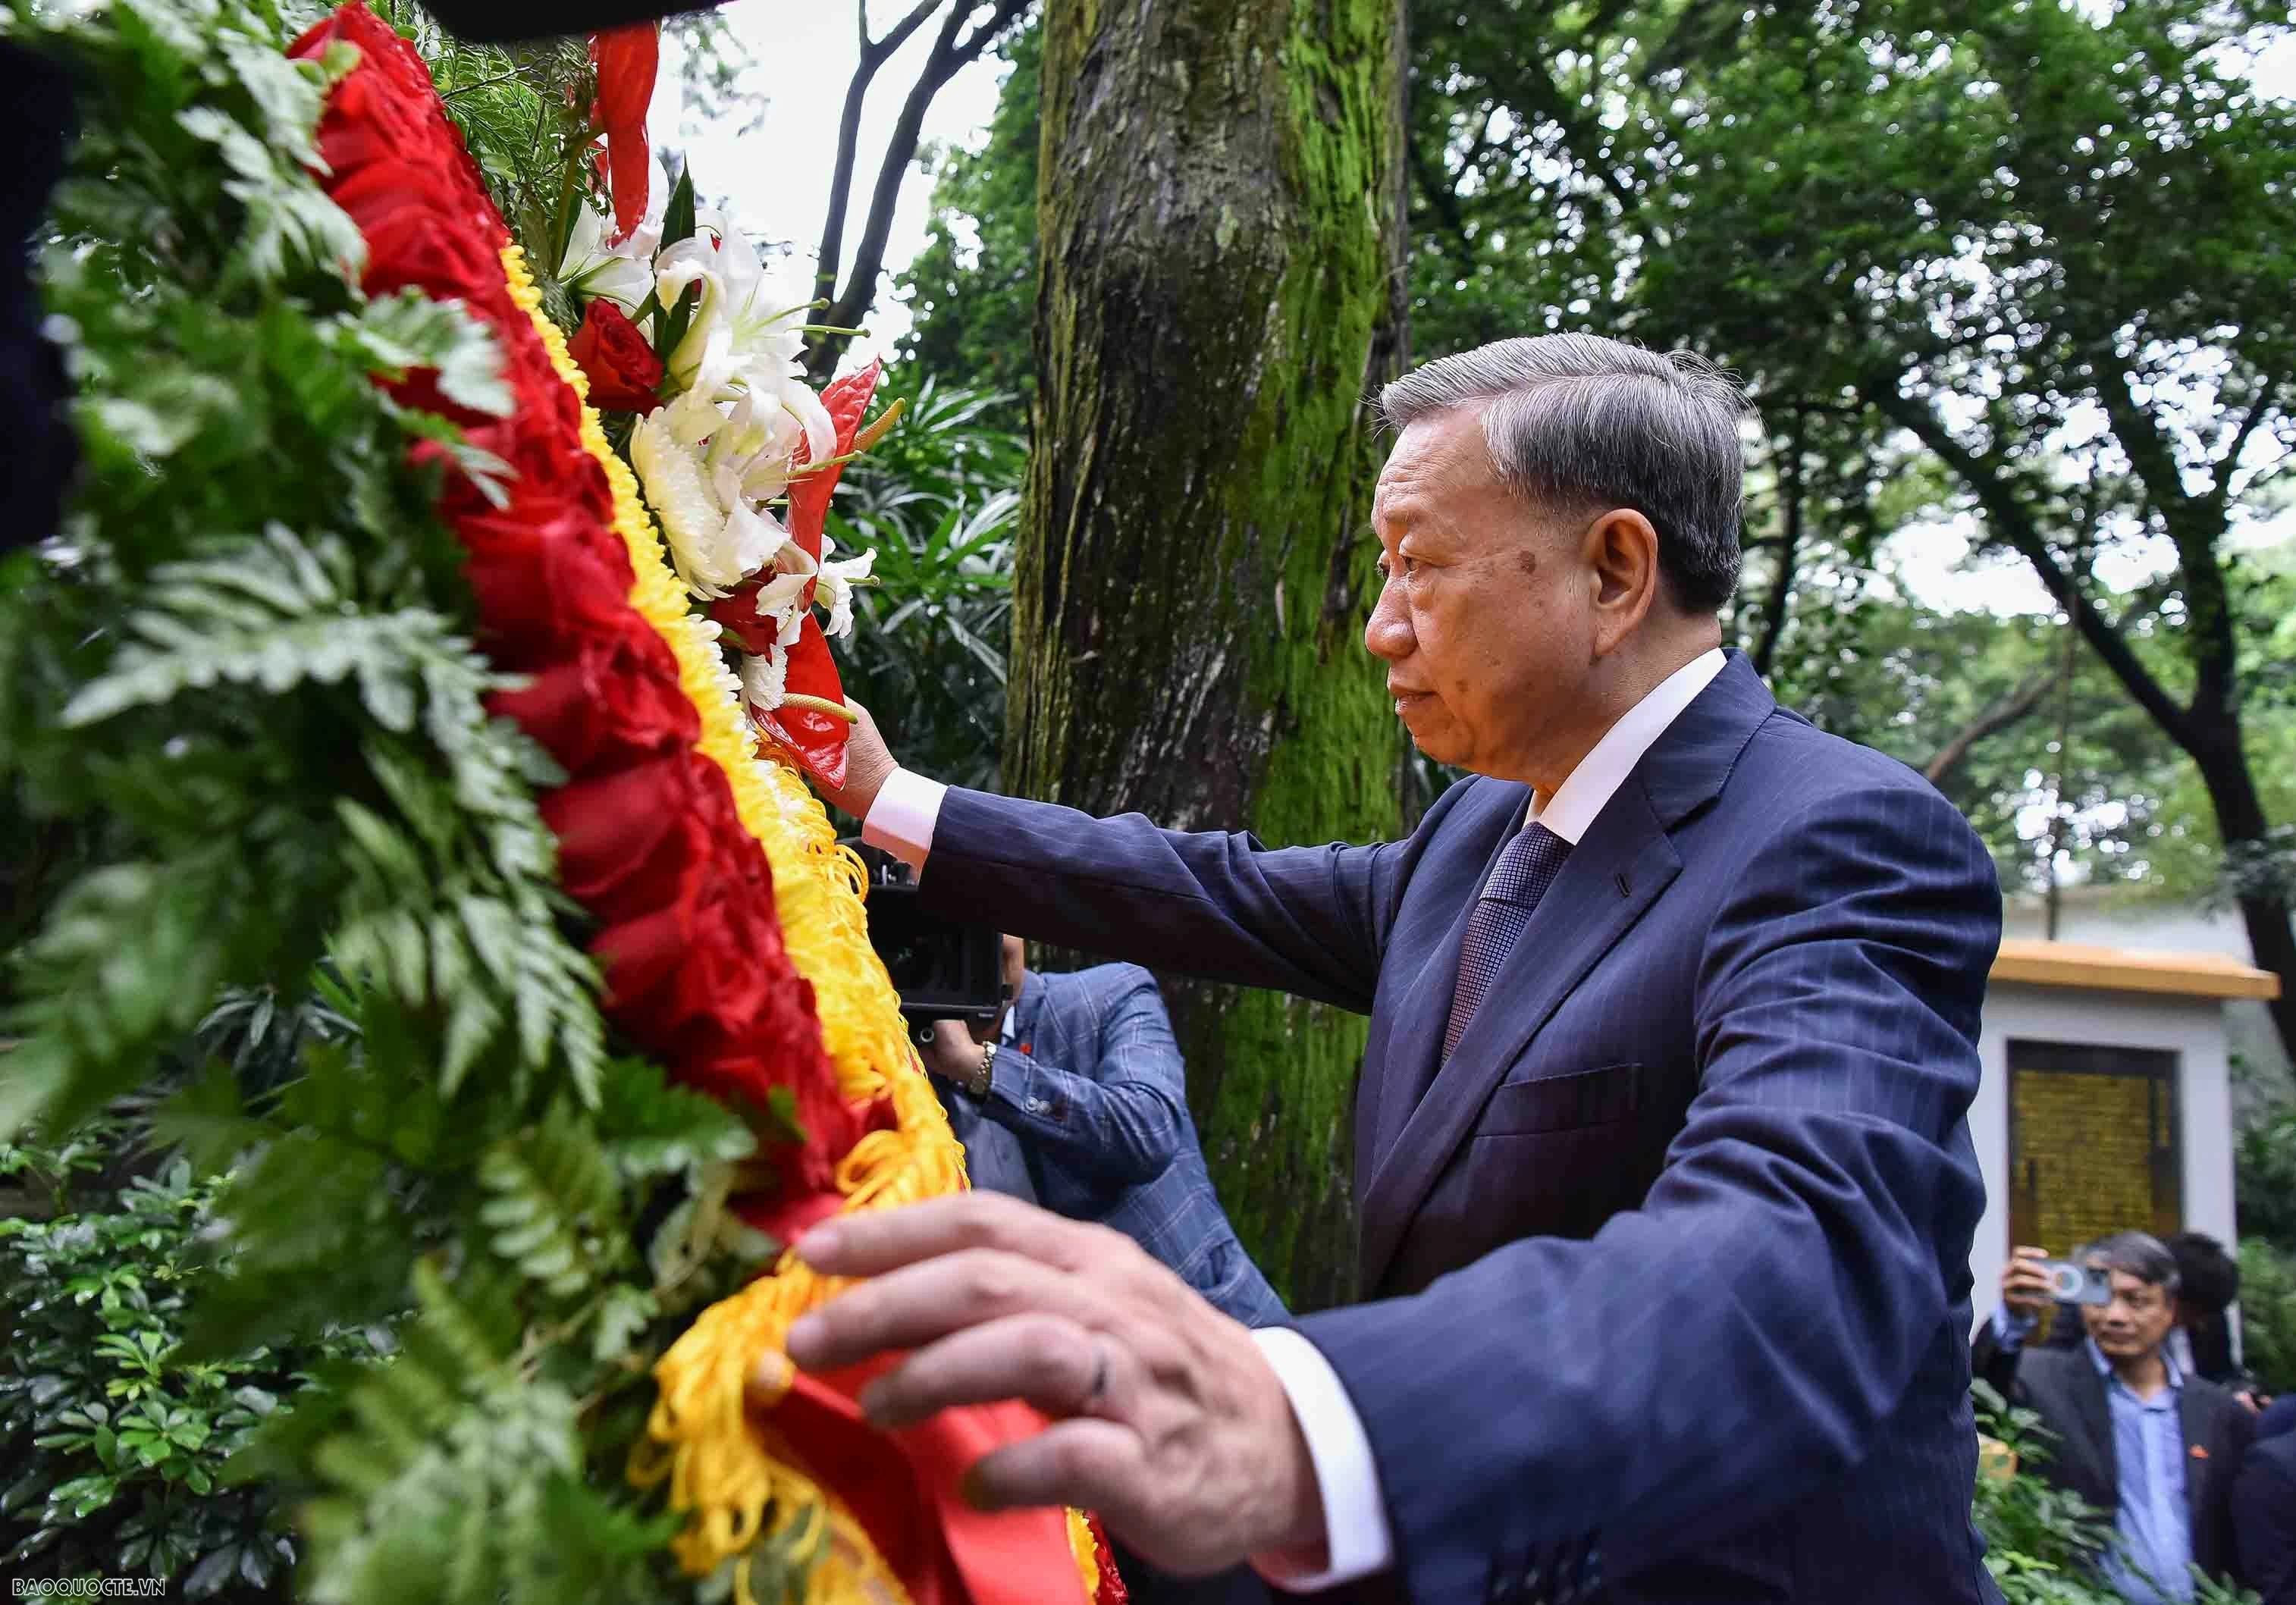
x=1221, y=294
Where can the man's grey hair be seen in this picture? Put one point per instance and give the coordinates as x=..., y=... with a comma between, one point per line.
x=1579, y=420
x=2137, y=1254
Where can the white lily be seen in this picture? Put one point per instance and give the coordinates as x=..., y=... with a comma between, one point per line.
x=838, y=579
x=783, y=595
x=621, y=272
x=716, y=541
x=747, y=332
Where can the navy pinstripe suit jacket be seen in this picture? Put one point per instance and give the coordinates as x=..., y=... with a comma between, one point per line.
x=1668, y=1263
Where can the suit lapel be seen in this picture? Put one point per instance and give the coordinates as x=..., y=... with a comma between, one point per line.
x=2193, y=1417
x=1615, y=872
x=1611, y=877
x=2093, y=1414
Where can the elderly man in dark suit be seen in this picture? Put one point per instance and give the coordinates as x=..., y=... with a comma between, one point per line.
x=1077, y=1100
x=1666, y=1190
x=2136, y=1435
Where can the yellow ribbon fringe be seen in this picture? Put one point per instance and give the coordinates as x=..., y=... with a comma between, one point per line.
x=702, y=1439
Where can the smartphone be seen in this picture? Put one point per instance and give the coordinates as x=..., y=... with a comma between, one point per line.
x=2070, y=1283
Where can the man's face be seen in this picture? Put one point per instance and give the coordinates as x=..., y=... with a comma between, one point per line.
x=2134, y=1323
x=1484, y=617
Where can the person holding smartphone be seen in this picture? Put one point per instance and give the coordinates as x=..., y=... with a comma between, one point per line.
x=2136, y=1433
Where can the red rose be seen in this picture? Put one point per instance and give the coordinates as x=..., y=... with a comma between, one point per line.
x=624, y=372
x=632, y=844
x=545, y=586
x=609, y=704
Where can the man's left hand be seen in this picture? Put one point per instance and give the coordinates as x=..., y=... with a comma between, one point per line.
x=953, y=1054
x=1167, y=1420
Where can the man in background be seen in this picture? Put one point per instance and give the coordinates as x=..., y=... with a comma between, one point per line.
x=2138, y=1435
x=2264, y=1518
x=2208, y=1281
x=1076, y=1101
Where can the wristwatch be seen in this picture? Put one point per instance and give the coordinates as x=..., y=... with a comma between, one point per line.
x=977, y=1083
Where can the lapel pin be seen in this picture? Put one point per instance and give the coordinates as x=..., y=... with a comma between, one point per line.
x=2200, y=1452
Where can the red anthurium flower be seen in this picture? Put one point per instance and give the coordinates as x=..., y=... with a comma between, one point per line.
x=817, y=741
x=623, y=370
x=809, y=493
x=627, y=60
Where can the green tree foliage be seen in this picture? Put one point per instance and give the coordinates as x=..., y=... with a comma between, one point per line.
x=938, y=501
x=2267, y=1302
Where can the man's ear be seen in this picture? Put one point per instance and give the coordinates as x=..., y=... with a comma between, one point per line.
x=1620, y=550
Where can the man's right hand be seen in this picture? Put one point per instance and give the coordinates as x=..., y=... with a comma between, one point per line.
x=2024, y=1285
x=868, y=765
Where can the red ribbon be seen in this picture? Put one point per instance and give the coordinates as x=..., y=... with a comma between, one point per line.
x=902, y=1487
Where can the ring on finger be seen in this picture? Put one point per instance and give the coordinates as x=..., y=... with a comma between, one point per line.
x=1098, y=1389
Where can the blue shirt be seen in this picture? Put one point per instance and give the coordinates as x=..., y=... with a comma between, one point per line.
x=2153, y=1564
x=2153, y=1521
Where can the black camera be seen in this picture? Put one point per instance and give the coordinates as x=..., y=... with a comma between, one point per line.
x=942, y=969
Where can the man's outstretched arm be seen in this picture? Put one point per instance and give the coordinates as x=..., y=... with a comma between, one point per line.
x=1214, y=905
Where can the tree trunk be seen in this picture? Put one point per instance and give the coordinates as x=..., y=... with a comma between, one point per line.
x=1220, y=207
x=2218, y=752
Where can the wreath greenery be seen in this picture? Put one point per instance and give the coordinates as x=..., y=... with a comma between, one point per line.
x=335, y=448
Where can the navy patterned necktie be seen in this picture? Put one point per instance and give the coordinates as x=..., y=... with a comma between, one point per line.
x=1517, y=881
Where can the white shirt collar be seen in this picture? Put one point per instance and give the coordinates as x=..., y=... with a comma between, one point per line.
x=1571, y=811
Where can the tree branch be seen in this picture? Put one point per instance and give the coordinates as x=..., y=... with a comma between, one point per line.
x=2195, y=526
x=1445, y=201
x=1773, y=611
x=873, y=55
x=2015, y=524
x=950, y=53
x=2228, y=464
x=1994, y=719
x=2026, y=697
x=1547, y=99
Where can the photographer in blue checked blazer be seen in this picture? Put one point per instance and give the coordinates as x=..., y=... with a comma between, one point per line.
x=1082, y=1107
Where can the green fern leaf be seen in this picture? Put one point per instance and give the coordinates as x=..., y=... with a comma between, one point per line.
x=653, y=1128
x=407, y=330
x=551, y=1191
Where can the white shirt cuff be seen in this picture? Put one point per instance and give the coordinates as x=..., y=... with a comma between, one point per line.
x=1357, y=1540
x=901, y=820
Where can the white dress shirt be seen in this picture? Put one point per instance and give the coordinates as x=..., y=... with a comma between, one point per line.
x=1358, y=1539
